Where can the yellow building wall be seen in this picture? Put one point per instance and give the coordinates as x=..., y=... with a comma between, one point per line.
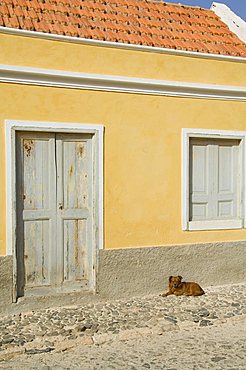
x=40, y=53
x=142, y=132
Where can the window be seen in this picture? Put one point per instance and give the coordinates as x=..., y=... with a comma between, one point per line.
x=212, y=180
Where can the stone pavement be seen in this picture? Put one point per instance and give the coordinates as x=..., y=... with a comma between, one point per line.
x=175, y=333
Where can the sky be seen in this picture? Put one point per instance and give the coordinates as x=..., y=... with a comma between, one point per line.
x=237, y=6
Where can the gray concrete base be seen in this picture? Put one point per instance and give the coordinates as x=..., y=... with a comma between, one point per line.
x=140, y=271
x=6, y=281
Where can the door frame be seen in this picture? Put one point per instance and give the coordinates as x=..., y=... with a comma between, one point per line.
x=97, y=130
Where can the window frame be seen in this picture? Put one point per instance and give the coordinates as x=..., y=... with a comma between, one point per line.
x=187, y=134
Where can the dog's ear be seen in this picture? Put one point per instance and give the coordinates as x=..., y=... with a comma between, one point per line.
x=180, y=277
x=170, y=278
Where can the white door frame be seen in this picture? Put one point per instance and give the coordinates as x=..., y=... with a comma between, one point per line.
x=11, y=127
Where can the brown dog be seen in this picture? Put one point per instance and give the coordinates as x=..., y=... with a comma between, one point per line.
x=177, y=287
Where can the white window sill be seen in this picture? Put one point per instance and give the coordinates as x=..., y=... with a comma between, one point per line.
x=215, y=225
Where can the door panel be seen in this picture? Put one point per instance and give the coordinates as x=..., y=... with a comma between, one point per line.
x=36, y=157
x=76, y=166
x=75, y=255
x=37, y=256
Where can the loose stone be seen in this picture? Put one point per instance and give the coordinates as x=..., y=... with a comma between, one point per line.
x=34, y=351
x=217, y=359
x=205, y=323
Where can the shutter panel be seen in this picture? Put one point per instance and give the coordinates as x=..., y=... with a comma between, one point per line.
x=226, y=182
x=199, y=180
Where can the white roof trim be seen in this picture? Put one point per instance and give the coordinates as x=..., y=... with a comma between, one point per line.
x=87, y=81
x=236, y=24
x=119, y=45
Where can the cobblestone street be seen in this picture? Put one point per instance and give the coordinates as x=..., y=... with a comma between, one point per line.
x=182, y=333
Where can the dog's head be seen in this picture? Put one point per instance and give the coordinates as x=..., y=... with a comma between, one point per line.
x=175, y=281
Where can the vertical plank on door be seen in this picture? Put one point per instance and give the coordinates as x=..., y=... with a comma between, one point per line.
x=37, y=199
x=75, y=179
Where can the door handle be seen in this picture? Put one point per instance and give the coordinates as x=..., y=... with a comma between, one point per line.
x=60, y=206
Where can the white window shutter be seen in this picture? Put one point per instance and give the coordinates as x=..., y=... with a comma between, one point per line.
x=214, y=180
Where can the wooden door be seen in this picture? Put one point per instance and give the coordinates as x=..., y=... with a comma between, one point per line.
x=54, y=212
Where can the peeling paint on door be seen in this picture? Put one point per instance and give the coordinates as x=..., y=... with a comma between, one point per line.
x=28, y=146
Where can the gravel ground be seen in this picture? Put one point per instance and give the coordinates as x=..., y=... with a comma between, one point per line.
x=206, y=332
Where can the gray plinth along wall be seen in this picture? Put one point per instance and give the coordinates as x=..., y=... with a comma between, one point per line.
x=6, y=281
x=140, y=271
x=137, y=271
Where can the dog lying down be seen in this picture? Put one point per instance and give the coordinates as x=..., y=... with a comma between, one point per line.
x=177, y=287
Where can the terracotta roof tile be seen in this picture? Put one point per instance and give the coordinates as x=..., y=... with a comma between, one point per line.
x=12, y=22
x=143, y=22
x=4, y=9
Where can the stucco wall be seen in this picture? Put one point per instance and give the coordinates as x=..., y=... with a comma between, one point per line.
x=142, y=165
